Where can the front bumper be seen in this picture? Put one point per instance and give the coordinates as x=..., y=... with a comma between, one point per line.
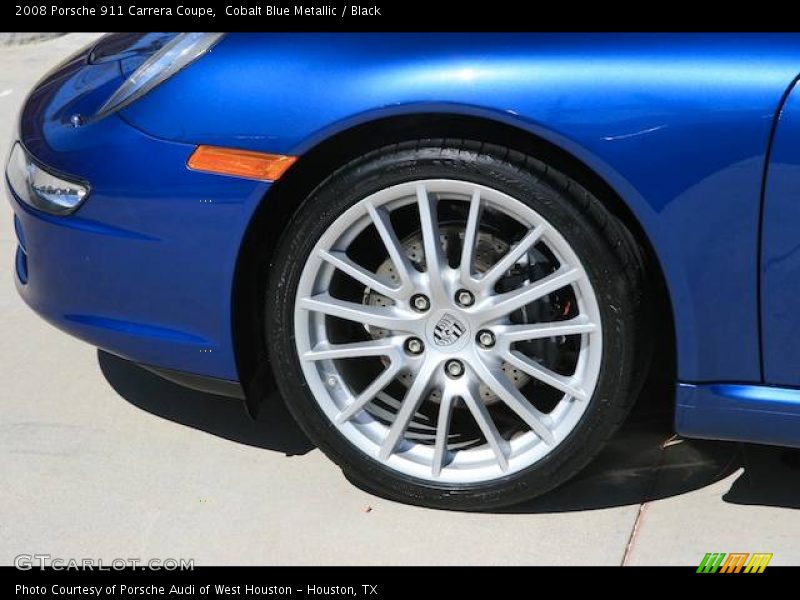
x=144, y=268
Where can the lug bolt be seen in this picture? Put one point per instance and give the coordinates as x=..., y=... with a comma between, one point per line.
x=485, y=338
x=454, y=368
x=414, y=346
x=420, y=302
x=465, y=298
x=331, y=381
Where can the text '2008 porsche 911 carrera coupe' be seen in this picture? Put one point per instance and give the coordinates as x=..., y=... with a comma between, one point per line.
x=456, y=256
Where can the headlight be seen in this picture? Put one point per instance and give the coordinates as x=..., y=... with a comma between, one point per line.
x=178, y=53
x=40, y=189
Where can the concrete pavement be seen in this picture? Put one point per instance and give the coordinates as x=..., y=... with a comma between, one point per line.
x=102, y=459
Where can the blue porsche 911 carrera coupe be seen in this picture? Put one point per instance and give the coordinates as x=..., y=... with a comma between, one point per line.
x=456, y=256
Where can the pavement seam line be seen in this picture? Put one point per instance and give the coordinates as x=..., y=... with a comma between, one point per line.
x=647, y=497
x=633, y=535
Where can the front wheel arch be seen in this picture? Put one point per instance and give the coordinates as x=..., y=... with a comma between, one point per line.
x=315, y=165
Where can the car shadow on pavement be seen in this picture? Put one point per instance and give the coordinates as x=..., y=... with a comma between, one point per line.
x=274, y=429
x=771, y=477
x=643, y=462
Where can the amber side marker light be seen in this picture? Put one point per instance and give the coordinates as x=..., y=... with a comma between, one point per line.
x=240, y=163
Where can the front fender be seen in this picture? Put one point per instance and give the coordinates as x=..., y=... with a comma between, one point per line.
x=673, y=123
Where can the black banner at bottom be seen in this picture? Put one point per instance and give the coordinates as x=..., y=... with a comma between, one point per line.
x=361, y=583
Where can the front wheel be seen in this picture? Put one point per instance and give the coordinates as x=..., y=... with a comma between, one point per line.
x=455, y=326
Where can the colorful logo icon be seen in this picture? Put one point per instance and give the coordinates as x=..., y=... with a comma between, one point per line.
x=735, y=562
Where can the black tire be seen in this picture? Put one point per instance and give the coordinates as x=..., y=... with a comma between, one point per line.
x=610, y=257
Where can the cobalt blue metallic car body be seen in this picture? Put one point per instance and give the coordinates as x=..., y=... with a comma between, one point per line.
x=691, y=140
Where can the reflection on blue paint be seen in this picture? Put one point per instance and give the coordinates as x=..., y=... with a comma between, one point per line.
x=138, y=329
x=760, y=393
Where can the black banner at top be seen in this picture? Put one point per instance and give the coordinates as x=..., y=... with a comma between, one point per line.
x=247, y=15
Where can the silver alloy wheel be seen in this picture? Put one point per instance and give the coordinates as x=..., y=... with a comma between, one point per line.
x=442, y=353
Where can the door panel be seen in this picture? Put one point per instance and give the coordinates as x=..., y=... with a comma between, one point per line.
x=780, y=263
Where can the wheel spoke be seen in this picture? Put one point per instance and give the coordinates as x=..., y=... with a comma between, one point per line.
x=486, y=424
x=470, y=238
x=402, y=264
x=514, y=399
x=509, y=334
x=360, y=401
x=442, y=431
x=377, y=316
x=504, y=304
x=511, y=258
x=412, y=400
x=545, y=375
x=325, y=351
x=431, y=242
x=341, y=261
